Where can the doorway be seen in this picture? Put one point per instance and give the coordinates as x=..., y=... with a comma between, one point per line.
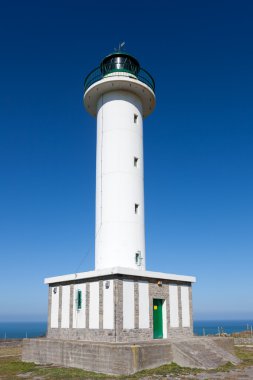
x=158, y=318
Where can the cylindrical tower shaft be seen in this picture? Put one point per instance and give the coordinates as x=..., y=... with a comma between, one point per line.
x=120, y=94
x=120, y=236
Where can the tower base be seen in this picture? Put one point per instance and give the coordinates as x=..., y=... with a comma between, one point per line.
x=125, y=359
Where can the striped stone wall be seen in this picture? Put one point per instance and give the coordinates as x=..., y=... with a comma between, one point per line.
x=118, y=309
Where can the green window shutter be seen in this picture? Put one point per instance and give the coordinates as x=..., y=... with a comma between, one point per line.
x=79, y=299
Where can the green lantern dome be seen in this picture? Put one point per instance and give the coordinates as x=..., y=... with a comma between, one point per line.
x=119, y=61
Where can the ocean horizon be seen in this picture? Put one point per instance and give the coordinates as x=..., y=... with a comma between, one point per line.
x=17, y=330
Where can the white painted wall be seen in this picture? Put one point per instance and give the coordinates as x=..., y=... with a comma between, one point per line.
x=108, y=305
x=119, y=184
x=65, y=306
x=94, y=306
x=165, y=330
x=143, y=305
x=128, y=304
x=185, y=306
x=173, y=297
x=79, y=316
x=54, y=307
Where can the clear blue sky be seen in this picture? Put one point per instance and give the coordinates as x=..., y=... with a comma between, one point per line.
x=198, y=145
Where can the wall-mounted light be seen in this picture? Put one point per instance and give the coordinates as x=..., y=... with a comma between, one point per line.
x=107, y=284
x=159, y=283
x=138, y=258
x=55, y=290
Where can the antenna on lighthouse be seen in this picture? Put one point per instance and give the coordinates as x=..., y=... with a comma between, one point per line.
x=121, y=45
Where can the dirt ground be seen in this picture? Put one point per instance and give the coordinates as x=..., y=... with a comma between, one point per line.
x=243, y=373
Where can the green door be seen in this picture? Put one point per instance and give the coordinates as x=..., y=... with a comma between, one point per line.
x=158, y=318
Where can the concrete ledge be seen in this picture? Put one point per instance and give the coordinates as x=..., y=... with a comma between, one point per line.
x=204, y=352
x=243, y=341
x=227, y=343
x=110, y=358
x=127, y=358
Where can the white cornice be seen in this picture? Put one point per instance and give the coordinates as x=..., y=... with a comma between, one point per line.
x=121, y=271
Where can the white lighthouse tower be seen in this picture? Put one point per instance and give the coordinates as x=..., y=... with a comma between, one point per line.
x=119, y=303
x=120, y=94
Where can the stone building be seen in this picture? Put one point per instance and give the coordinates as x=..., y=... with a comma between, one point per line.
x=119, y=305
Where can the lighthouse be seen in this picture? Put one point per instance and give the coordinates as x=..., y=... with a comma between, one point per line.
x=120, y=94
x=118, y=318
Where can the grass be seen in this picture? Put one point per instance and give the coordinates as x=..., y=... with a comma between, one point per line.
x=245, y=354
x=224, y=368
x=167, y=369
x=12, y=366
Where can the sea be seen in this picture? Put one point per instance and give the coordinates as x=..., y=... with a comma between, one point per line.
x=14, y=330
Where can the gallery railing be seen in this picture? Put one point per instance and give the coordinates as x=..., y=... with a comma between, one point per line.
x=96, y=75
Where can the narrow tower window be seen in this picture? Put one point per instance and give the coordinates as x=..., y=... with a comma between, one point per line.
x=136, y=162
x=79, y=299
x=135, y=118
x=136, y=208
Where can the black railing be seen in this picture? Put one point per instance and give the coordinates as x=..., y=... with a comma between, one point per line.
x=96, y=75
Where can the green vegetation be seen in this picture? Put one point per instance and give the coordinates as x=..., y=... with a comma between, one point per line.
x=171, y=369
x=11, y=367
x=224, y=368
x=245, y=353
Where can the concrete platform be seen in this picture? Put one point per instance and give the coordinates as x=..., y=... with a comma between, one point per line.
x=125, y=358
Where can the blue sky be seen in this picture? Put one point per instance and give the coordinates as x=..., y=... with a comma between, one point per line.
x=197, y=144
